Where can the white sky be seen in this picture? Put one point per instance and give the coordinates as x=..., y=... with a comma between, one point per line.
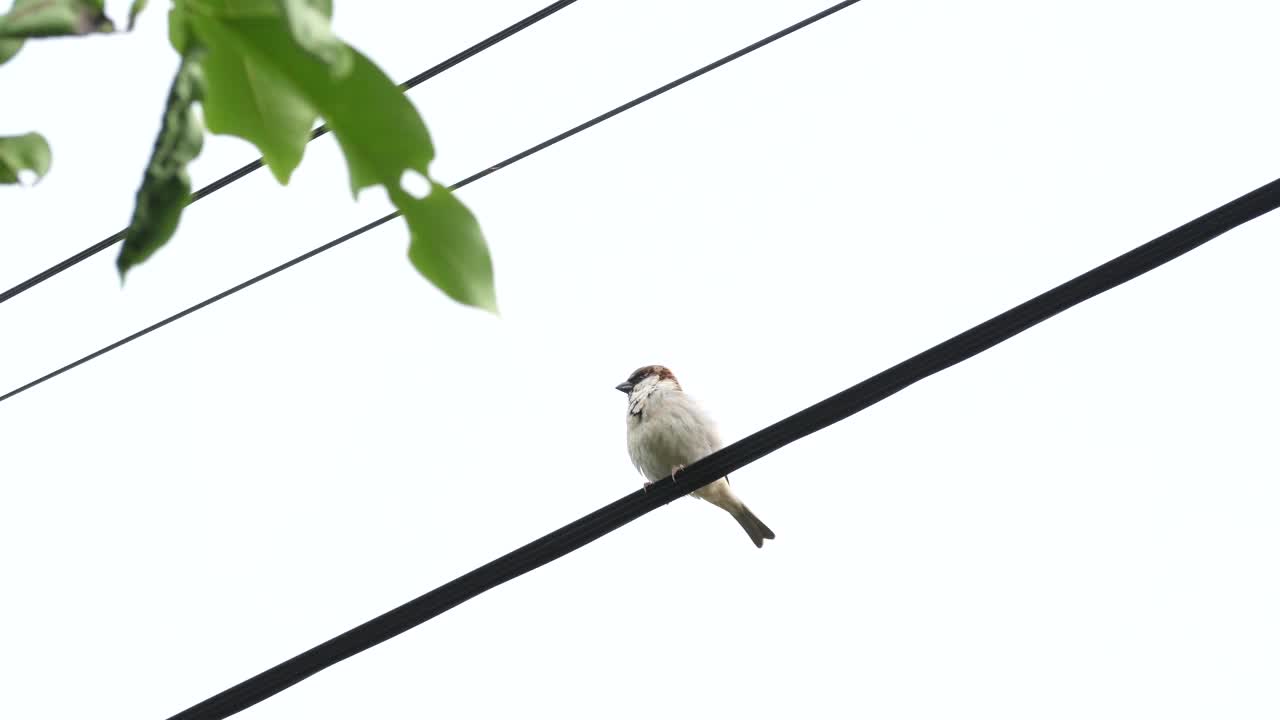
x=1078, y=523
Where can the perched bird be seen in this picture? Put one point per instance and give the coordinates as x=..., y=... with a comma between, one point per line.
x=667, y=430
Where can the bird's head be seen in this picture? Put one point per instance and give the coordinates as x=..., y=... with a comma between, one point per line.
x=647, y=379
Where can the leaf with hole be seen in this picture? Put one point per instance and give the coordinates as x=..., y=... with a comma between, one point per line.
x=24, y=153
x=379, y=131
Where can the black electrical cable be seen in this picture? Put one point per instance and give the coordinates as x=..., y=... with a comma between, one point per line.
x=736, y=456
x=235, y=175
x=201, y=304
x=461, y=183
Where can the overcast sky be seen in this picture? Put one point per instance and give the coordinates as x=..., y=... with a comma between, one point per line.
x=1080, y=522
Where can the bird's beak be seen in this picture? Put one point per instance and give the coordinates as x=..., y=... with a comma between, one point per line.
x=625, y=387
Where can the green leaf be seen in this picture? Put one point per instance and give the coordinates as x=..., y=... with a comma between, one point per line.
x=460, y=267
x=251, y=100
x=51, y=18
x=308, y=21
x=356, y=101
x=135, y=9
x=381, y=135
x=179, y=31
x=166, y=187
x=24, y=152
x=9, y=47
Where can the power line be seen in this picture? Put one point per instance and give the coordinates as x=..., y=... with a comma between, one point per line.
x=461, y=183
x=201, y=304
x=235, y=175
x=736, y=456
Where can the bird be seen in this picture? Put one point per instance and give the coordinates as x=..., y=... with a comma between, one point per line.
x=667, y=429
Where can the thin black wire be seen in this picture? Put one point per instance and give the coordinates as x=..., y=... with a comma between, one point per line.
x=460, y=184
x=736, y=456
x=201, y=304
x=235, y=175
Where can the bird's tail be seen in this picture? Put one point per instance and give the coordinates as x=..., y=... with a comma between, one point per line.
x=757, y=530
x=719, y=494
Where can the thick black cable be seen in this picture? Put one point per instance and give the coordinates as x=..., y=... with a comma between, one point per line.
x=235, y=175
x=736, y=456
x=461, y=183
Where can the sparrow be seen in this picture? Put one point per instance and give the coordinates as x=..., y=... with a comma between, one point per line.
x=667, y=430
